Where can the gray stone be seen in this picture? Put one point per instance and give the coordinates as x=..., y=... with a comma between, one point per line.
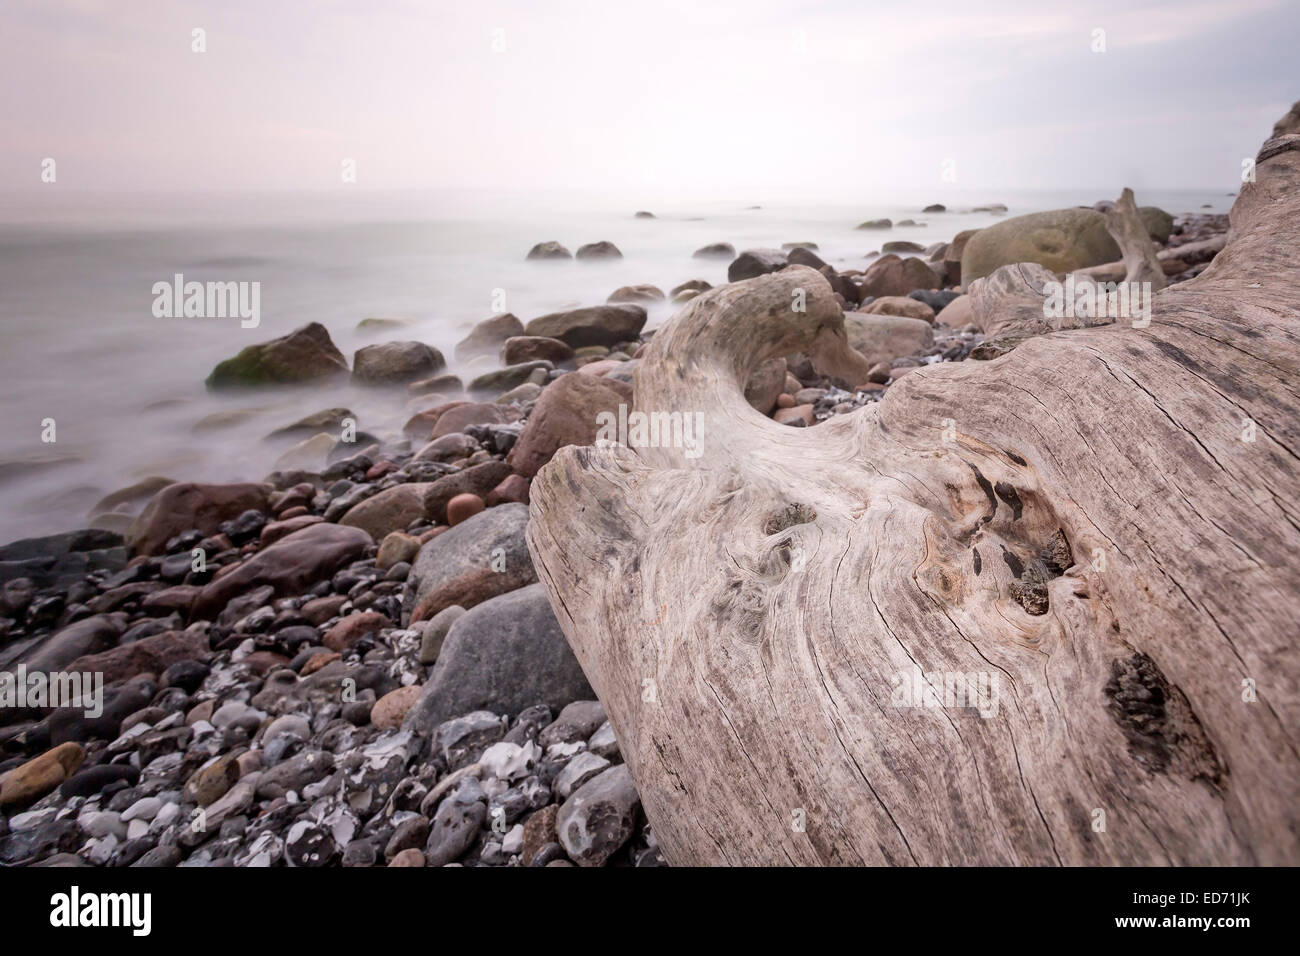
x=599, y=817
x=456, y=823
x=480, y=558
x=503, y=655
x=435, y=632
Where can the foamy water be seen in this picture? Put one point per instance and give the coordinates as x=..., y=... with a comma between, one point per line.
x=125, y=389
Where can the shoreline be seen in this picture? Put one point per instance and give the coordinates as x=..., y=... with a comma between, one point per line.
x=231, y=622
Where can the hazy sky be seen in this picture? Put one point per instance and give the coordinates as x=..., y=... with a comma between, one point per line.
x=660, y=97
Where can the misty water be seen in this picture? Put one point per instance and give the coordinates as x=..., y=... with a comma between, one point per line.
x=126, y=389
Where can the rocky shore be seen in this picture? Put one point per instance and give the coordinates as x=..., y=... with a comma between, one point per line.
x=352, y=662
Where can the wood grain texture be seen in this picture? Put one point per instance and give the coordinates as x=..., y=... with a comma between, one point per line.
x=1080, y=520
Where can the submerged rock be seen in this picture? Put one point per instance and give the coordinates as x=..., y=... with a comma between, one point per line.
x=306, y=354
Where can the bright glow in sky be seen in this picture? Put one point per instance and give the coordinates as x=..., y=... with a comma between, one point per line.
x=662, y=97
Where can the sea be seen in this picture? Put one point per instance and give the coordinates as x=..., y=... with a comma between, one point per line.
x=88, y=363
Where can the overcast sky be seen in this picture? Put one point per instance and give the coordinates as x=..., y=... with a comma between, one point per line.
x=661, y=96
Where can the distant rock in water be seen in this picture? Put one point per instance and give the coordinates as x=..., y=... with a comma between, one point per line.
x=803, y=256
x=395, y=363
x=530, y=348
x=995, y=207
x=876, y=224
x=599, y=250
x=489, y=335
x=595, y=325
x=715, y=250
x=902, y=245
x=381, y=325
x=644, y=215
x=756, y=262
x=935, y=207
x=636, y=293
x=329, y=419
x=549, y=250
x=306, y=354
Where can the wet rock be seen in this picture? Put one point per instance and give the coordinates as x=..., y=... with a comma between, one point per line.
x=290, y=566
x=756, y=262
x=152, y=655
x=487, y=337
x=304, y=355
x=594, y=325
x=599, y=250
x=395, y=363
x=532, y=348
x=549, y=250
x=190, y=505
x=893, y=275
x=637, y=293
x=715, y=250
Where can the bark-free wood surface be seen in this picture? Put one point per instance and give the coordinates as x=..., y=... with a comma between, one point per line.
x=1106, y=520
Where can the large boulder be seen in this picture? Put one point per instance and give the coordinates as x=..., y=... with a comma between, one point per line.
x=306, y=354
x=594, y=325
x=188, y=505
x=506, y=654
x=566, y=414
x=395, y=363
x=896, y=275
x=883, y=338
x=486, y=337
x=1160, y=225
x=1060, y=240
x=290, y=566
x=952, y=256
x=756, y=262
x=478, y=559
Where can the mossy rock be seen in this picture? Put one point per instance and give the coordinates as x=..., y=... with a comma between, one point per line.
x=306, y=354
x=1061, y=240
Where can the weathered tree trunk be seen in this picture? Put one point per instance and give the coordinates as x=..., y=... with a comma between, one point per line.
x=1104, y=523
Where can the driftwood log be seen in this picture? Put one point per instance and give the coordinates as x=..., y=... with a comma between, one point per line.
x=1099, y=530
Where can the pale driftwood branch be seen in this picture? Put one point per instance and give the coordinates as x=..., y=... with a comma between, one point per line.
x=1137, y=251
x=1105, y=521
